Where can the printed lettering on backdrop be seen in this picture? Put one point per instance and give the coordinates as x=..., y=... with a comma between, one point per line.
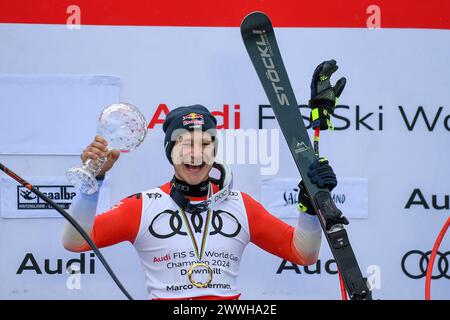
x=16, y=201
x=280, y=197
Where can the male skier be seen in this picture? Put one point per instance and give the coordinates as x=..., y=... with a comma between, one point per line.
x=190, y=233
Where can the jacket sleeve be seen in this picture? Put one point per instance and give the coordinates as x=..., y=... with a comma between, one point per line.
x=298, y=245
x=120, y=223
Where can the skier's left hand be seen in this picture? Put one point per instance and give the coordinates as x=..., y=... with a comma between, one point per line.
x=321, y=174
x=324, y=96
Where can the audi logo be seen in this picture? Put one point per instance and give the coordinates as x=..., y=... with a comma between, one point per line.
x=154, y=195
x=415, y=264
x=218, y=220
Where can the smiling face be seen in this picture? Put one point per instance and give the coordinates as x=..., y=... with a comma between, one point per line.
x=193, y=156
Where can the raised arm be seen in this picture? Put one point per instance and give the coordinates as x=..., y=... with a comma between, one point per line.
x=84, y=206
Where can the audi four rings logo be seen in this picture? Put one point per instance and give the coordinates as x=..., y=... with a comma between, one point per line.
x=415, y=264
x=221, y=195
x=176, y=222
x=181, y=187
x=154, y=195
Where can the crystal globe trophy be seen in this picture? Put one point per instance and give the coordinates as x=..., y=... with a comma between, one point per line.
x=124, y=128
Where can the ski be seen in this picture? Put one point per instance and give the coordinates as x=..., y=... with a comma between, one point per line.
x=259, y=39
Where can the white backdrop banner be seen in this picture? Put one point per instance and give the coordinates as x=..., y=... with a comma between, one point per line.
x=392, y=134
x=56, y=112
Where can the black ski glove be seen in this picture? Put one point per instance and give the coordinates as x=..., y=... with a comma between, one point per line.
x=324, y=96
x=322, y=175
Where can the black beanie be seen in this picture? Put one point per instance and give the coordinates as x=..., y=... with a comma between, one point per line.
x=190, y=118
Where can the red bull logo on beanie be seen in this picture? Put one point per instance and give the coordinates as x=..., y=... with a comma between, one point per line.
x=193, y=119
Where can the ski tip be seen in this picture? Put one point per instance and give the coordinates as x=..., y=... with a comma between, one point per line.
x=252, y=16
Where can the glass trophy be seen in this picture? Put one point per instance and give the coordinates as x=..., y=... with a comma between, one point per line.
x=124, y=128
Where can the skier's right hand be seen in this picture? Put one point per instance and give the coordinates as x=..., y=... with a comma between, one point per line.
x=98, y=149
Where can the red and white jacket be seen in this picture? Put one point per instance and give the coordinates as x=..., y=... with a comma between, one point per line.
x=152, y=222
